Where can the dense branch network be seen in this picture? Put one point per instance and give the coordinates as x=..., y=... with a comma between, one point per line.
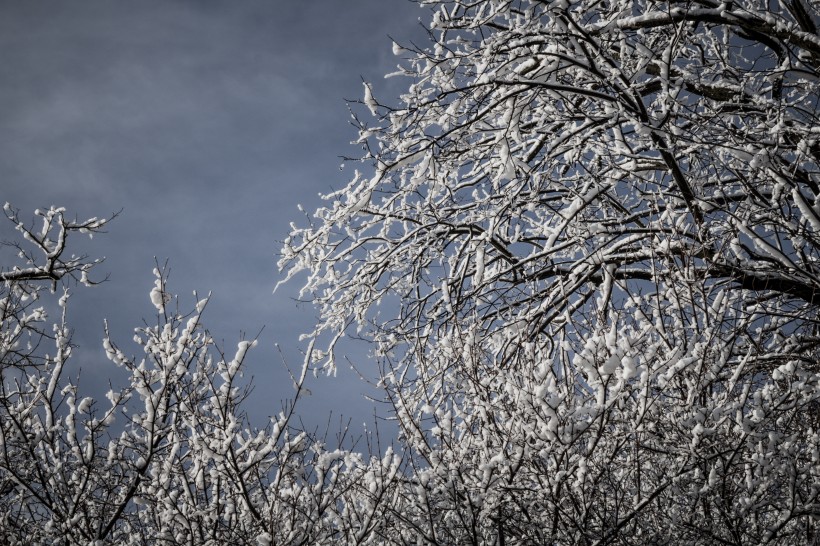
x=599, y=223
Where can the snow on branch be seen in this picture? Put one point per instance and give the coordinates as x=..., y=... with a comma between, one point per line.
x=589, y=265
x=44, y=254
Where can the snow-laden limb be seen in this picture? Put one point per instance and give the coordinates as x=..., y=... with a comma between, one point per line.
x=43, y=255
x=589, y=264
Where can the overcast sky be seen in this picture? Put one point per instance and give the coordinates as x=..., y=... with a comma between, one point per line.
x=206, y=123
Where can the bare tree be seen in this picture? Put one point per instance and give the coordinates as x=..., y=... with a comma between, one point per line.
x=588, y=263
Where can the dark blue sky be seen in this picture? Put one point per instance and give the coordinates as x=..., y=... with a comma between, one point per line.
x=206, y=123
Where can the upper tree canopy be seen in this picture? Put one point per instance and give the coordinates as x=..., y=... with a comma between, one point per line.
x=551, y=153
x=588, y=259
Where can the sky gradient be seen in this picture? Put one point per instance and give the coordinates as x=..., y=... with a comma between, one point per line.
x=205, y=123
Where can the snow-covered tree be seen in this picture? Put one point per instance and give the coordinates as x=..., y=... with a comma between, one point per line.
x=170, y=458
x=589, y=265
